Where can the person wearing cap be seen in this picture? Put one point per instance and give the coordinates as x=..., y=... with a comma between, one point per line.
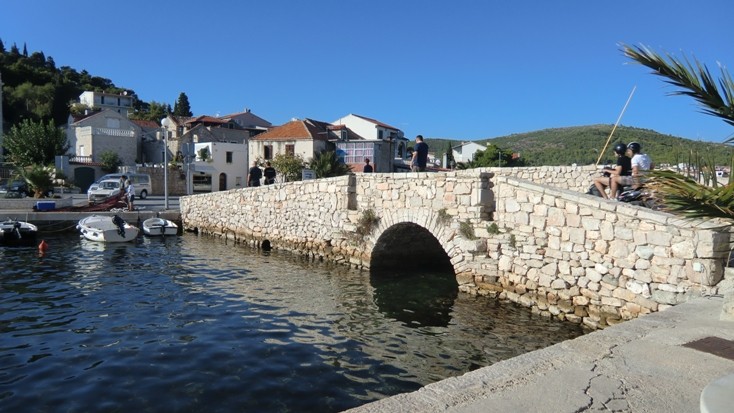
x=622, y=168
x=640, y=162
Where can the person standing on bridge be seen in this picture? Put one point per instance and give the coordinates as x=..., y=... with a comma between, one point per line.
x=367, y=168
x=254, y=175
x=420, y=155
x=269, y=173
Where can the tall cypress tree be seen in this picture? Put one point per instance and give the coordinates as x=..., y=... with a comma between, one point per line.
x=182, y=107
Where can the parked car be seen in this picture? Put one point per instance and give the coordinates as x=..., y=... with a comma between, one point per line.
x=104, y=190
x=14, y=189
x=141, y=183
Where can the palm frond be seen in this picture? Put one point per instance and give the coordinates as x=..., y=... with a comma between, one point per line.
x=681, y=195
x=695, y=80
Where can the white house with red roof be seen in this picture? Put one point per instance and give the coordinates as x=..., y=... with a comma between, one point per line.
x=383, y=144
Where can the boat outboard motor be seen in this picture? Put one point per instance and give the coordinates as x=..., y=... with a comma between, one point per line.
x=120, y=223
x=16, y=230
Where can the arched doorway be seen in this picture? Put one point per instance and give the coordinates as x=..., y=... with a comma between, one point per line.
x=222, y=182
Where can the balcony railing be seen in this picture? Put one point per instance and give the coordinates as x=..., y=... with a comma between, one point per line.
x=81, y=159
x=126, y=133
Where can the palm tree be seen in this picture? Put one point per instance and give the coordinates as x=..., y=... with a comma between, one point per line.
x=39, y=178
x=678, y=193
x=328, y=164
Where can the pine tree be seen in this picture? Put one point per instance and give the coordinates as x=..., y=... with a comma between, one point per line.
x=182, y=107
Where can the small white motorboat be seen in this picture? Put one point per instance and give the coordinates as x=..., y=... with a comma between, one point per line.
x=155, y=227
x=104, y=228
x=17, y=233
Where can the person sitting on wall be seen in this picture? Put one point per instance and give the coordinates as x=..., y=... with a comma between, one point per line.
x=623, y=168
x=641, y=163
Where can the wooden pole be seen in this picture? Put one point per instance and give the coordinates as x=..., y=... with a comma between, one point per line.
x=601, y=154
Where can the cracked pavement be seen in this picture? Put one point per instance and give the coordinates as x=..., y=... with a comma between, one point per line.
x=636, y=366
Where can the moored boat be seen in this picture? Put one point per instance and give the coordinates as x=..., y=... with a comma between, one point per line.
x=17, y=233
x=159, y=227
x=104, y=228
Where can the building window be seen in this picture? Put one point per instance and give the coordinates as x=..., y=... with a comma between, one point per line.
x=290, y=150
x=379, y=134
x=355, y=152
x=101, y=100
x=268, y=151
x=229, y=157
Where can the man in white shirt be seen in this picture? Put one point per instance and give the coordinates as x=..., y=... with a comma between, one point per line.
x=641, y=163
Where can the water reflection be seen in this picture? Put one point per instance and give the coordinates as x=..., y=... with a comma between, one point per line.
x=216, y=327
x=415, y=298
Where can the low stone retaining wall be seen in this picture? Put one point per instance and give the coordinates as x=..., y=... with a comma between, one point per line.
x=586, y=259
x=28, y=203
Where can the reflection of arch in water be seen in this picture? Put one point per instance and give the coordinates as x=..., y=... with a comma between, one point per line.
x=412, y=275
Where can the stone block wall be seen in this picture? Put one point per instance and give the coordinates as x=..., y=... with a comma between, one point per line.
x=306, y=217
x=590, y=260
x=559, y=251
x=574, y=178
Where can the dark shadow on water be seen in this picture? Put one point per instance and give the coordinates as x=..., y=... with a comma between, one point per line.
x=415, y=298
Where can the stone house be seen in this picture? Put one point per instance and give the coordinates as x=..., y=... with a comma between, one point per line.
x=249, y=122
x=360, y=137
x=304, y=138
x=107, y=130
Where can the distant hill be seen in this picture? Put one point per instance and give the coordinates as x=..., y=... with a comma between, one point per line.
x=581, y=145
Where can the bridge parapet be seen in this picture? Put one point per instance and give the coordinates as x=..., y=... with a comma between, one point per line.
x=321, y=218
x=595, y=261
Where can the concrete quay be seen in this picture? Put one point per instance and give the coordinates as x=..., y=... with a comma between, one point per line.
x=641, y=365
x=59, y=221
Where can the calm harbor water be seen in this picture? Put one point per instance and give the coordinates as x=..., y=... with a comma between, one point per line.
x=191, y=324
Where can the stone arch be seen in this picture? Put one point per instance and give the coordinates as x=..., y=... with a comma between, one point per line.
x=416, y=236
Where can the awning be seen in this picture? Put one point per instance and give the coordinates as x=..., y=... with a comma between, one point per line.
x=204, y=169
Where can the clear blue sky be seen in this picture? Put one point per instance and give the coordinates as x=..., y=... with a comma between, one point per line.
x=456, y=69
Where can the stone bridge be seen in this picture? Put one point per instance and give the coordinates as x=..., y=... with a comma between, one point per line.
x=529, y=235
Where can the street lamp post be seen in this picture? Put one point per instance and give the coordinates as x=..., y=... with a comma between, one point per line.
x=164, y=128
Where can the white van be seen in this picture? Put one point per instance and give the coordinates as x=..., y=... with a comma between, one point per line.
x=141, y=183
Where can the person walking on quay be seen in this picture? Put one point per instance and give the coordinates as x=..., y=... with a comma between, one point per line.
x=420, y=155
x=269, y=173
x=367, y=167
x=254, y=175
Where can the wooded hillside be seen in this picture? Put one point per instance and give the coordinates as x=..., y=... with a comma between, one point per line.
x=581, y=145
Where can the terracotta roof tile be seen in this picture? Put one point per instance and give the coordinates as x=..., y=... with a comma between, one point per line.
x=306, y=129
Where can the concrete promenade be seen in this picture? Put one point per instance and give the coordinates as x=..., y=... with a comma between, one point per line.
x=640, y=365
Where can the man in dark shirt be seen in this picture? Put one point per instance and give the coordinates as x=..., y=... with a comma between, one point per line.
x=623, y=168
x=253, y=177
x=367, y=167
x=269, y=173
x=420, y=155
